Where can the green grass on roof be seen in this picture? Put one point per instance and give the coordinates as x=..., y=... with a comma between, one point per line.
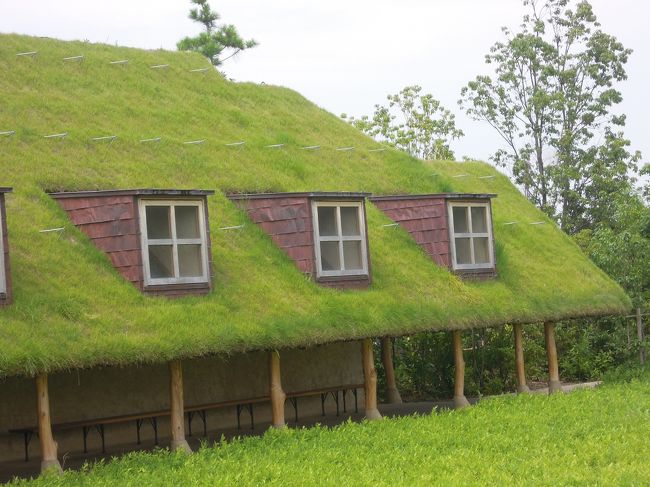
x=72, y=309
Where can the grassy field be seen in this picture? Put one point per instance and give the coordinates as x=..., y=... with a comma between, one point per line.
x=73, y=310
x=588, y=437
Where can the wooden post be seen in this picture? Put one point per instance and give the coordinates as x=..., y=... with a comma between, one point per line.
x=554, y=384
x=392, y=394
x=49, y=461
x=639, y=332
x=460, y=401
x=278, y=396
x=369, y=380
x=178, y=441
x=519, y=358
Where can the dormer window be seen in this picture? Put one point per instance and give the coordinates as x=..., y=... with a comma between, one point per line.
x=174, y=247
x=339, y=234
x=470, y=229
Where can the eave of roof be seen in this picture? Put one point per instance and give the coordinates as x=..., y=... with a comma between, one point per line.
x=133, y=192
x=448, y=196
x=6, y=189
x=309, y=194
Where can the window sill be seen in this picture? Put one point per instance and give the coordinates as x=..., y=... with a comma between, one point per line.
x=481, y=274
x=178, y=290
x=353, y=281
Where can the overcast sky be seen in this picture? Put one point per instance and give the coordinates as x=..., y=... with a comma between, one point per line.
x=348, y=55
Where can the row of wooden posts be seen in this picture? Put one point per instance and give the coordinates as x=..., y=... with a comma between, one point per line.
x=277, y=395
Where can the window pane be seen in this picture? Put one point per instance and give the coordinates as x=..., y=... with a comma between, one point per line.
x=187, y=222
x=352, y=255
x=350, y=221
x=189, y=261
x=158, y=222
x=481, y=250
x=460, y=219
x=329, y=255
x=463, y=252
x=327, y=221
x=161, y=263
x=479, y=219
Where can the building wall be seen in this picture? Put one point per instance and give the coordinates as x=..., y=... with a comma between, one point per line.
x=6, y=297
x=426, y=220
x=112, y=391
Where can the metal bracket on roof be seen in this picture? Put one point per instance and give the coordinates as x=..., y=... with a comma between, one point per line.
x=511, y=223
x=235, y=144
x=199, y=70
x=121, y=61
x=236, y=227
x=537, y=223
x=153, y=139
x=274, y=146
x=109, y=138
x=377, y=150
x=8, y=133
x=486, y=177
x=62, y=135
x=390, y=225
x=160, y=66
x=79, y=58
x=312, y=147
x=344, y=149
x=194, y=142
x=460, y=175
x=27, y=54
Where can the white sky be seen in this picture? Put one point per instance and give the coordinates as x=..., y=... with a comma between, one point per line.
x=348, y=55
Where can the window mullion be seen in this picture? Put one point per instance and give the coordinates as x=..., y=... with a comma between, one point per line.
x=340, y=238
x=172, y=222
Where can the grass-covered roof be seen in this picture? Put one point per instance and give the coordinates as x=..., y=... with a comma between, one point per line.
x=72, y=309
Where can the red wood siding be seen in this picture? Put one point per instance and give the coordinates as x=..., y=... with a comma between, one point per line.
x=111, y=222
x=288, y=221
x=426, y=220
x=5, y=298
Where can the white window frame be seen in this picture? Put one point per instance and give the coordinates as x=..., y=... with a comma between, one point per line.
x=173, y=241
x=340, y=238
x=471, y=235
x=3, y=277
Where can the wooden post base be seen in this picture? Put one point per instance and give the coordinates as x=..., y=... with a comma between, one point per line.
x=278, y=397
x=460, y=402
x=392, y=394
x=522, y=386
x=554, y=386
x=51, y=466
x=370, y=380
x=180, y=445
x=523, y=389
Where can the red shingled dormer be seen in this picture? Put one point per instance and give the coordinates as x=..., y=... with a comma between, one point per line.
x=325, y=233
x=455, y=229
x=5, y=268
x=158, y=239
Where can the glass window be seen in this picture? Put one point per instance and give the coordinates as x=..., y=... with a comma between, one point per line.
x=471, y=235
x=174, y=242
x=340, y=237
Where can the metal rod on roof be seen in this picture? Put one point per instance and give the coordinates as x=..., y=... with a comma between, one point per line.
x=121, y=61
x=537, y=223
x=159, y=66
x=311, y=147
x=377, y=150
x=51, y=230
x=344, y=149
x=390, y=225
x=153, y=139
x=486, y=177
x=110, y=138
x=511, y=223
x=74, y=58
x=460, y=175
x=8, y=133
x=62, y=135
x=236, y=227
x=274, y=146
x=194, y=142
x=236, y=144
x=199, y=70
x=30, y=53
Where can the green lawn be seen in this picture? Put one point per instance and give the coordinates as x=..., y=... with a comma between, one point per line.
x=588, y=437
x=73, y=310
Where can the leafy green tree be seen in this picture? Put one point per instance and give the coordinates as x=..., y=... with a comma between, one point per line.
x=216, y=39
x=551, y=101
x=412, y=122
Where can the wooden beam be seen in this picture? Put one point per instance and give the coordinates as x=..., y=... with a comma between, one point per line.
x=369, y=379
x=49, y=460
x=392, y=393
x=554, y=384
x=278, y=397
x=522, y=386
x=177, y=421
x=460, y=401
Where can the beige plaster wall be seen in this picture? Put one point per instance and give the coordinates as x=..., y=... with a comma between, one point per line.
x=112, y=391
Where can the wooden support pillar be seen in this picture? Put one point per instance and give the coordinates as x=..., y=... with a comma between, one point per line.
x=392, y=394
x=554, y=384
x=178, y=441
x=522, y=386
x=278, y=397
x=639, y=333
x=369, y=380
x=460, y=401
x=49, y=460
